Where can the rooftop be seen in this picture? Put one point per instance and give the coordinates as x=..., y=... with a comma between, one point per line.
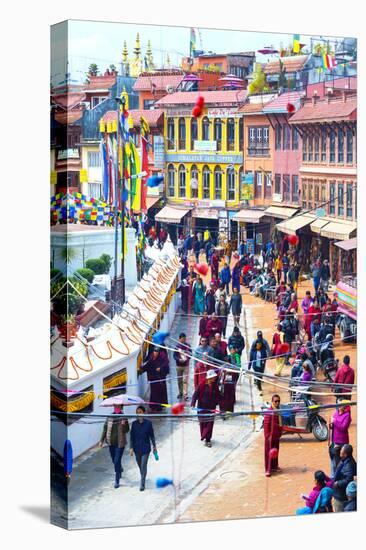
x=324, y=109
x=157, y=82
x=292, y=64
x=224, y=97
x=279, y=104
x=153, y=116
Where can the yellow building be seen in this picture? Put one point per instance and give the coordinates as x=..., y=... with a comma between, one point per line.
x=204, y=156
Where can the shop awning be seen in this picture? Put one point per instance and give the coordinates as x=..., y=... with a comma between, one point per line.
x=317, y=225
x=248, y=215
x=150, y=201
x=351, y=244
x=291, y=225
x=205, y=213
x=283, y=212
x=340, y=230
x=169, y=214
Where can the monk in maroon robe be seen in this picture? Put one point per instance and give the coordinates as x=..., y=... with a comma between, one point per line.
x=157, y=369
x=207, y=394
x=214, y=266
x=214, y=325
x=272, y=433
x=203, y=325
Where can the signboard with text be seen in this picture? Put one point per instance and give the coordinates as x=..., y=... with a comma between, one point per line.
x=247, y=187
x=159, y=153
x=250, y=246
x=204, y=145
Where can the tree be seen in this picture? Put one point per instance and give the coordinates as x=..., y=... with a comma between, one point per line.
x=93, y=69
x=112, y=67
x=258, y=84
x=282, y=80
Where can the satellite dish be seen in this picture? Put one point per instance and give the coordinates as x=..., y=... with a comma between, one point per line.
x=170, y=89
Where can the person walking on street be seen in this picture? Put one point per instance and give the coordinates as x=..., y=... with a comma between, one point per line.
x=182, y=357
x=235, y=306
x=315, y=272
x=344, y=474
x=278, y=268
x=207, y=397
x=225, y=277
x=200, y=370
x=236, y=277
x=214, y=325
x=237, y=341
x=339, y=426
x=285, y=267
x=257, y=361
x=114, y=434
x=198, y=290
x=345, y=375
x=210, y=300
x=325, y=275
x=222, y=311
x=277, y=348
x=142, y=432
x=272, y=425
x=203, y=325
x=157, y=369
x=214, y=265
x=228, y=381
x=262, y=341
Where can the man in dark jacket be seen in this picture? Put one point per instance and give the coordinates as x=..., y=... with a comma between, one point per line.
x=236, y=340
x=325, y=275
x=225, y=277
x=262, y=341
x=114, y=434
x=344, y=474
x=182, y=357
x=235, y=306
x=210, y=301
x=142, y=432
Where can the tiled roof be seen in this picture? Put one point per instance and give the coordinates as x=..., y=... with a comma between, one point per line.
x=101, y=82
x=212, y=97
x=279, y=104
x=322, y=110
x=158, y=82
x=68, y=100
x=152, y=116
x=252, y=108
x=291, y=64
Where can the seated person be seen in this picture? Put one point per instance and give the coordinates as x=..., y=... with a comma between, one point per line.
x=321, y=480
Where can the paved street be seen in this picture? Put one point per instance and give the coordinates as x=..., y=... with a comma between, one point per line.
x=183, y=458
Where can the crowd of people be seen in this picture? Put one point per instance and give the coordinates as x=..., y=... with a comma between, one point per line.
x=303, y=340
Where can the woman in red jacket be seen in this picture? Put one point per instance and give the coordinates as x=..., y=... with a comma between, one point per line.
x=272, y=433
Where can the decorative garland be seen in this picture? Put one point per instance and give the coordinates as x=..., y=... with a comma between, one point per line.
x=74, y=405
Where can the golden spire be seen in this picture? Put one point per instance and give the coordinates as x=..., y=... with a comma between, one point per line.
x=137, y=50
x=124, y=52
x=149, y=57
x=136, y=61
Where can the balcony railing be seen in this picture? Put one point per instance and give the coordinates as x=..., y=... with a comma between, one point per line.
x=258, y=151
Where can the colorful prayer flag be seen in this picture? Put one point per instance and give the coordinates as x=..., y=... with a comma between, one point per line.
x=296, y=43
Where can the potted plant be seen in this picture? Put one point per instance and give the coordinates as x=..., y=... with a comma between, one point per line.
x=68, y=330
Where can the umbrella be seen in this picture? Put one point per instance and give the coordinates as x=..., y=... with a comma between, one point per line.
x=231, y=78
x=122, y=399
x=192, y=78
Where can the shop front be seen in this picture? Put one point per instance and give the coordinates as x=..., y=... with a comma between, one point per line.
x=175, y=220
x=253, y=229
x=335, y=231
x=347, y=257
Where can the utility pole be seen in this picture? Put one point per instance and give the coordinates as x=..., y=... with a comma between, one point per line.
x=120, y=288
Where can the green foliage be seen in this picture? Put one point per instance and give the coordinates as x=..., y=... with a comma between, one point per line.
x=258, y=84
x=86, y=273
x=107, y=259
x=68, y=254
x=97, y=265
x=93, y=69
x=282, y=80
x=67, y=300
x=54, y=273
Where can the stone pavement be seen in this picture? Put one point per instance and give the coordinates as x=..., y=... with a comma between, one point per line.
x=182, y=457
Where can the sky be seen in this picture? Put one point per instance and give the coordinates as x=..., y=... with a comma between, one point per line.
x=102, y=43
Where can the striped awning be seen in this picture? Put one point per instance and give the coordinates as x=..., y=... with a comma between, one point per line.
x=340, y=230
x=248, y=215
x=283, y=212
x=169, y=214
x=317, y=225
x=292, y=225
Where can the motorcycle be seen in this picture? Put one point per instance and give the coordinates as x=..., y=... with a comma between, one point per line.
x=306, y=421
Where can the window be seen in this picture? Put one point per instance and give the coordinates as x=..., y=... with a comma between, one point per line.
x=305, y=148
x=218, y=133
x=316, y=193
x=206, y=182
x=194, y=181
x=268, y=185
x=205, y=129
x=278, y=189
x=332, y=187
x=316, y=148
x=295, y=138
x=349, y=200
x=95, y=190
x=171, y=180
x=241, y=135
x=182, y=133
x=149, y=104
x=258, y=141
x=171, y=134
x=324, y=145
x=194, y=132
x=258, y=183
x=304, y=193
x=278, y=135
x=323, y=193
x=295, y=189
x=94, y=160
x=349, y=146
x=218, y=183
x=340, y=199
x=182, y=180
x=231, y=184
x=96, y=100
x=340, y=146
x=332, y=146
x=286, y=136
x=286, y=188
x=230, y=134
x=310, y=148
x=310, y=194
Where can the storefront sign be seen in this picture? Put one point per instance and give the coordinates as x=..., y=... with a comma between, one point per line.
x=205, y=158
x=221, y=113
x=65, y=154
x=179, y=112
x=204, y=145
x=159, y=153
x=259, y=238
x=250, y=246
